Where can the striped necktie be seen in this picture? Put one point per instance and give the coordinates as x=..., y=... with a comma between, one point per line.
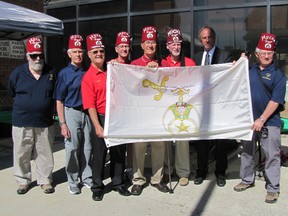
x=207, y=59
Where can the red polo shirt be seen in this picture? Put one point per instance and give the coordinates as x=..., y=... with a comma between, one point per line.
x=143, y=61
x=93, y=89
x=169, y=63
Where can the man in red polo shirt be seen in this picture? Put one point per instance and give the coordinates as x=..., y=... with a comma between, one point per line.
x=177, y=59
x=94, y=100
x=149, y=45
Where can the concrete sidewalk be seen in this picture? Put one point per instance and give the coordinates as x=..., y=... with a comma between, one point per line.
x=205, y=199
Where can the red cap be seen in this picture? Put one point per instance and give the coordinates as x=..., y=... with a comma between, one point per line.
x=149, y=33
x=174, y=36
x=267, y=42
x=94, y=41
x=75, y=41
x=34, y=44
x=123, y=38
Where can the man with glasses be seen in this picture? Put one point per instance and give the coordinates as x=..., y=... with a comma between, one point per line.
x=268, y=85
x=148, y=59
x=94, y=100
x=74, y=121
x=31, y=85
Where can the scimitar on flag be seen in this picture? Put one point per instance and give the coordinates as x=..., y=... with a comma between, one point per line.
x=177, y=103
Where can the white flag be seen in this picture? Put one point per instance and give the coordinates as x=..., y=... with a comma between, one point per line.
x=178, y=103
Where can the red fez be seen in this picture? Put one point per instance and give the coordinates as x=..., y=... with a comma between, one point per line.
x=267, y=42
x=123, y=38
x=34, y=44
x=75, y=41
x=174, y=36
x=94, y=41
x=149, y=33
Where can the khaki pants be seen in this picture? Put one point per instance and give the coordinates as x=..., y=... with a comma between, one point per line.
x=157, y=157
x=39, y=141
x=181, y=160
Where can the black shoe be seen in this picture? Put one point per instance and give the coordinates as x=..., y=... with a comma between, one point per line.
x=198, y=180
x=165, y=178
x=123, y=191
x=136, y=190
x=97, y=195
x=23, y=189
x=221, y=181
x=161, y=187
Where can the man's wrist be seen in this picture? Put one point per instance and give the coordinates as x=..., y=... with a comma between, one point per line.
x=62, y=122
x=262, y=119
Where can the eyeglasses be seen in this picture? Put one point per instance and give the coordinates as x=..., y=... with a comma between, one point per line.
x=263, y=54
x=147, y=42
x=123, y=47
x=35, y=56
x=98, y=51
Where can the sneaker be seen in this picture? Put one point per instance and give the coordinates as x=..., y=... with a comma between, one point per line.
x=183, y=181
x=242, y=187
x=22, y=189
x=87, y=184
x=272, y=197
x=47, y=188
x=74, y=190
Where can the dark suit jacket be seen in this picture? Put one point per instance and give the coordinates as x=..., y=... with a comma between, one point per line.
x=219, y=56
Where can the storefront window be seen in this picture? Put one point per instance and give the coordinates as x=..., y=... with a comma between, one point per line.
x=63, y=12
x=280, y=28
x=237, y=29
x=224, y=2
x=105, y=8
x=147, y=5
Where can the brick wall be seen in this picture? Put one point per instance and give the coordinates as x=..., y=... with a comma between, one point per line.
x=7, y=65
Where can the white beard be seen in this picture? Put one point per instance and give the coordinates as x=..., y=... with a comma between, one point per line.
x=37, y=66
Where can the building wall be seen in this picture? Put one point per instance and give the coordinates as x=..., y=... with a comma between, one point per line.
x=7, y=65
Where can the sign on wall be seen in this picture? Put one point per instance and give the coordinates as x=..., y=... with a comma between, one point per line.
x=12, y=49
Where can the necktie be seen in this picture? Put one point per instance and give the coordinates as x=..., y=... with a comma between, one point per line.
x=207, y=59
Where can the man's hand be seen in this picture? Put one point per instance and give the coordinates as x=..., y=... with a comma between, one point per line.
x=65, y=131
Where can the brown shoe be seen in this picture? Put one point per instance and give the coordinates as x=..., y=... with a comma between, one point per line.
x=47, y=188
x=272, y=197
x=22, y=189
x=183, y=181
x=242, y=187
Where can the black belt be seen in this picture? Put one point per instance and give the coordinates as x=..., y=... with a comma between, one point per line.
x=80, y=108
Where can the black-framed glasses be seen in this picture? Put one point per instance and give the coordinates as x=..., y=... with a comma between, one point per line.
x=98, y=51
x=35, y=56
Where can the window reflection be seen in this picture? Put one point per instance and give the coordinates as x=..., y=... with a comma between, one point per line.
x=237, y=29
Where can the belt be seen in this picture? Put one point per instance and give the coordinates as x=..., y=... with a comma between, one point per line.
x=80, y=108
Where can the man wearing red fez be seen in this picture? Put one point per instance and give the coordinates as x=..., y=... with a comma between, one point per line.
x=31, y=85
x=149, y=59
x=122, y=48
x=74, y=121
x=177, y=59
x=94, y=100
x=268, y=86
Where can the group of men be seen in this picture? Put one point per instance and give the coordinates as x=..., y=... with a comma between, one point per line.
x=80, y=97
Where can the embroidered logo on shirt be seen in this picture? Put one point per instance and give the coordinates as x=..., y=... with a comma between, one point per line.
x=267, y=76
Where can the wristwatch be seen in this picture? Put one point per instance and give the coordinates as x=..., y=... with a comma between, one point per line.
x=61, y=123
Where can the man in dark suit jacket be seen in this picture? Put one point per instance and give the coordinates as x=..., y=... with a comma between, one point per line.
x=207, y=36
